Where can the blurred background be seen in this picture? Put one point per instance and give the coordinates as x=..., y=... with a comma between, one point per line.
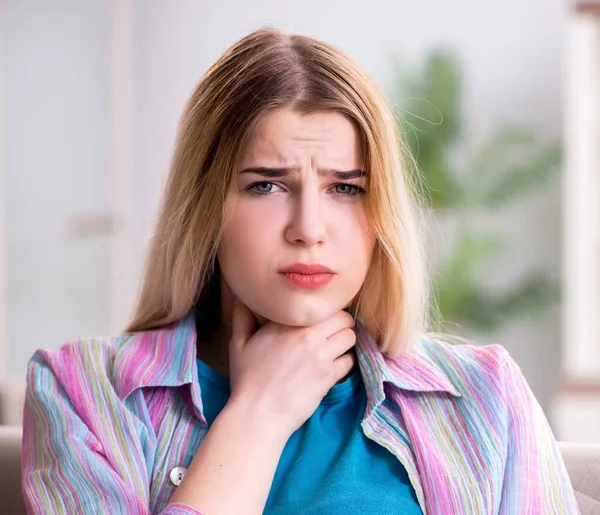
x=499, y=101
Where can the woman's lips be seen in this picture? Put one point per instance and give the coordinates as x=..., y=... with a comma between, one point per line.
x=307, y=280
x=306, y=269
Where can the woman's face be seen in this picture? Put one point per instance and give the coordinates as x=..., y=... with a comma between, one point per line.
x=289, y=208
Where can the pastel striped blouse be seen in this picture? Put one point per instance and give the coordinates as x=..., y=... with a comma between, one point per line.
x=107, y=420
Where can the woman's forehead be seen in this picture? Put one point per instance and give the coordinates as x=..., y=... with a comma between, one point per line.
x=288, y=138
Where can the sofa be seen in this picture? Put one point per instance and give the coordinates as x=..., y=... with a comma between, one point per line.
x=582, y=461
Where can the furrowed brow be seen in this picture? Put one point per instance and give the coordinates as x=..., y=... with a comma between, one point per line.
x=272, y=173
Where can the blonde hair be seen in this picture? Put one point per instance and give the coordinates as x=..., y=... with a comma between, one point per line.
x=266, y=70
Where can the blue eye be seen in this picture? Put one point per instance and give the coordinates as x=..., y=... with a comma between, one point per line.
x=262, y=187
x=341, y=189
x=349, y=189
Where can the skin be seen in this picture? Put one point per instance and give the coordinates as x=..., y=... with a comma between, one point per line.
x=305, y=217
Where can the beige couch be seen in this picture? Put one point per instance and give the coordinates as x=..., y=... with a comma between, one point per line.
x=582, y=460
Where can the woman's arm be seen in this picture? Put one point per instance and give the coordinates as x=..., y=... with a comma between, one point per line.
x=64, y=469
x=535, y=477
x=233, y=470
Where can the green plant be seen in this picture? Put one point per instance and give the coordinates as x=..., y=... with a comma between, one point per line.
x=511, y=166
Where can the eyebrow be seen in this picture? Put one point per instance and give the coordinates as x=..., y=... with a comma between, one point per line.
x=284, y=172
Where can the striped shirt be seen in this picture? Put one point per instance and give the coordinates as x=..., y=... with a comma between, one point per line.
x=106, y=421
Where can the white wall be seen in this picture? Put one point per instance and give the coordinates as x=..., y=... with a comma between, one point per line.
x=57, y=133
x=2, y=205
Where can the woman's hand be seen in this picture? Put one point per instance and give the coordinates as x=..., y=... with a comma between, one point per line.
x=286, y=371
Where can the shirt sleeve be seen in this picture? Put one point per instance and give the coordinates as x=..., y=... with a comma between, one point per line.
x=535, y=477
x=63, y=467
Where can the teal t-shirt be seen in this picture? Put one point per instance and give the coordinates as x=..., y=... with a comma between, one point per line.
x=328, y=465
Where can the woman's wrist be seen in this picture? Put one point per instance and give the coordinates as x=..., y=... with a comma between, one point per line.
x=248, y=414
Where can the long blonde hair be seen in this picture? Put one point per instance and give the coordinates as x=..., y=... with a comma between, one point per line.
x=265, y=70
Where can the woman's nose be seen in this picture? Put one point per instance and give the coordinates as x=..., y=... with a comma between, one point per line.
x=307, y=219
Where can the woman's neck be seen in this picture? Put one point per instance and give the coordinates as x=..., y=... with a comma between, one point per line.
x=214, y=351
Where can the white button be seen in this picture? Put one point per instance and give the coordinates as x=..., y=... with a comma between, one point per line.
x=177, y=475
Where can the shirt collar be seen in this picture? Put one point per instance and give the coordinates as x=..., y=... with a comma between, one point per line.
x=414, y=370
x=167, y=357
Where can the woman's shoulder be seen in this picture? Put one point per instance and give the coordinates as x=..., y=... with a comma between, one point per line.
x=103, y=352
x=78, y=365
x=88, y=352
x=471, y=368
x=88, y=374
x=462, y=351
x=118, y=364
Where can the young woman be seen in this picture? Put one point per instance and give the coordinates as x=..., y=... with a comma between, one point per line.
x=278, y=360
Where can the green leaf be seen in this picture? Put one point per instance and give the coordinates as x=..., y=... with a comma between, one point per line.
x=455, y=282
x=512, y=165
x=429, y=118
x=442, y=82
x=530, y=298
